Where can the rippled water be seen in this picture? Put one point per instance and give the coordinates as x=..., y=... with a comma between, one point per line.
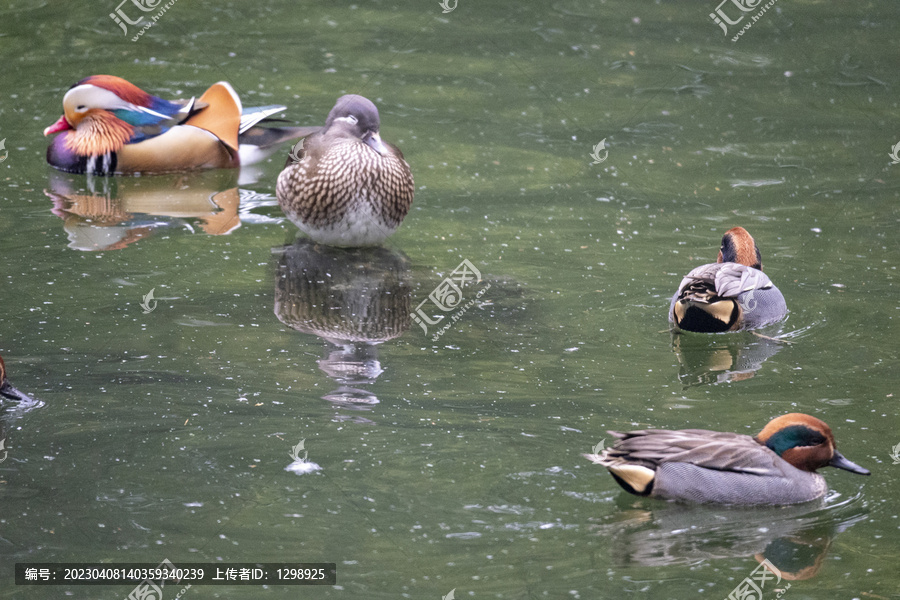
x=454, y=462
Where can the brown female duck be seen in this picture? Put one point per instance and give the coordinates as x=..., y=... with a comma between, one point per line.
x=344, y=186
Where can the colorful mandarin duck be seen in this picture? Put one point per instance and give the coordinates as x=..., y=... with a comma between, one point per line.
x=111, y=126
x=6, y=388
x=778, y=466
x=730, y=294
x=344, y=186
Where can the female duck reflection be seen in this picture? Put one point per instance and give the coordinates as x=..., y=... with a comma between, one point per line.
x=354, y=299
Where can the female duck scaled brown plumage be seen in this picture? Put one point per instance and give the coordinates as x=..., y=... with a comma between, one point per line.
x=345, y=186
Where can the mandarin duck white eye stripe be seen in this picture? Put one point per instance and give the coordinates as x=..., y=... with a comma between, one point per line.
x=110, y=126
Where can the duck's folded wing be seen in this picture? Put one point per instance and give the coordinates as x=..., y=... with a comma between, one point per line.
x=151, y=122
x=708, y=449
x=258, y=140
x=733, y=279
x=727, y=280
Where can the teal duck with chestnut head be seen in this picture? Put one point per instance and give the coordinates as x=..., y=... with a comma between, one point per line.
x=777, y=466
x=730, y=294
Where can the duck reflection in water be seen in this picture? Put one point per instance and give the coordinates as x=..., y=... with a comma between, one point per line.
x=101, y=213
x=354, y=299
x=795, y=539
x=720, y=359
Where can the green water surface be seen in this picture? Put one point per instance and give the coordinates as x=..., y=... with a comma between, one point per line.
x=454, y=463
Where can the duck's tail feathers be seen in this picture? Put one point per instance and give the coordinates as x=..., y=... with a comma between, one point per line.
x=259, y=143
x=264, y=137
x=597, y=459
x=703, y=315
x=634, y=478
x=253, y=115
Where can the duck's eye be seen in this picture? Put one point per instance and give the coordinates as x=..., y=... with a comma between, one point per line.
x=81, y=107
x=348, y=119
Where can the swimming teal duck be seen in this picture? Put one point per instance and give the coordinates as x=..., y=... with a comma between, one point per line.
x=345, y=186
x=111, y=126
x=6, y=388
x=729, y=295
x=778, y=466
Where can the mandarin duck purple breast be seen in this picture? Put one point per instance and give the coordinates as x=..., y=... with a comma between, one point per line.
x=111, y=126
x=731, y=294
x=344, y=186
x=777, y=466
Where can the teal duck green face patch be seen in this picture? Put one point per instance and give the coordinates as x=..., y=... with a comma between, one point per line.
x=794, y=436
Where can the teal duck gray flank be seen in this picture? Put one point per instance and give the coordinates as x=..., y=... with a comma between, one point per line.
x=777, y=466
x=726, y=297
x=690, y=483
x=729, y=295
x=696, y=465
